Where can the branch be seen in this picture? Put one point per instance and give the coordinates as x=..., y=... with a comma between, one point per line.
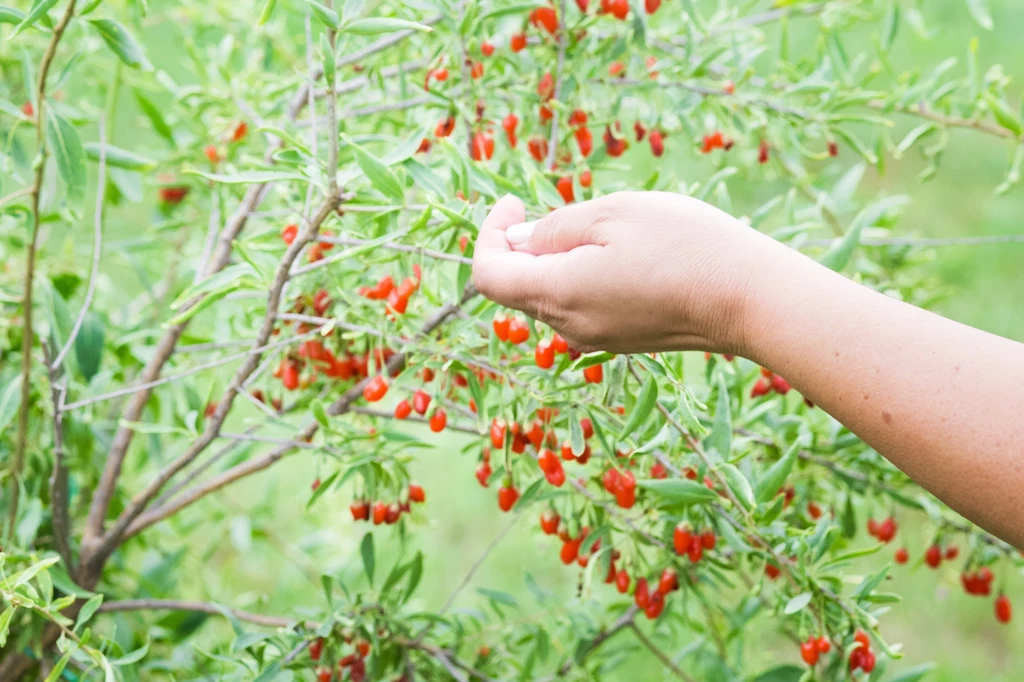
x=138, y=504
x=340, y=406
x=59, y=476
x=563, y=41
x=661, y=655
x=202, y=607
x=30, y=268
x=622, y=622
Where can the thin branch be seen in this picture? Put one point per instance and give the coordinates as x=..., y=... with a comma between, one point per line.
x=16, y=194
x=476, y=565
x=122, y=605
x=928, y=242
x=661, y=655
x=402, y=248
x=563, y=41
x=622, y=622
x=97, y=247
x=25, y=406
x=128, y=390
x=59, y=476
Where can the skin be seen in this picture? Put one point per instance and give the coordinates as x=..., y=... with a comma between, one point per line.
x=652, y=271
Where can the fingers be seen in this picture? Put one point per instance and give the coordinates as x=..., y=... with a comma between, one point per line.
x=512, y=279
x=560, y=231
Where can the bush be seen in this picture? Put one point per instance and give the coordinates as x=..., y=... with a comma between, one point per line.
x=262, y=289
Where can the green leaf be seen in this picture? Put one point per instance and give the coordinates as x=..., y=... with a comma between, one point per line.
x=797, y=603
x=644, y=404
x=576, y=440
x=268, y=11
x=782, y=673
x=58, y=668
x=721, y=432
x=132, y=656
x=374, y=25
x=121, y=42
x=776, y=475
x=248, y=177
x=379, y=175
x=366, y=551
x=9, y=15
x=979, y=10
x=914, y=674
x=89, y=346
x=870, y=583
x=320, y=413
x=839, y=255
x=327, y=16
x=892, y=26
x=88, y=608
x=67, y=152
x=324, y=487
x=38, y=9
x=23, y=576
x=155, y=115
x=678, y=490
x=1006, y=116
x=739, y=484
x=591, y=359
x=5, y=624
x=119, y=158
x=415, y=573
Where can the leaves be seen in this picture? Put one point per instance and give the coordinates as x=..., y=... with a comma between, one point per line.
x=35, y=12
x=367, y=553
x=678, y=490
x=797, y=603
x=327, y=16
x=644, y=404
x=979, y=10
x=119, y=158
x=773, y=479
x=121, y=42
x=67, y=152
x=376, y=25
x=88, y=609
x=379, y=175
x=89, y=346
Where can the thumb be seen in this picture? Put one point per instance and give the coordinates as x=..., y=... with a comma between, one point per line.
x=558, y=232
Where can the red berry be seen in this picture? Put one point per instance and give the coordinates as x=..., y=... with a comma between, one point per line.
x=360, y=510
x=416, y=493
x=656, y=606
x=518, y=42
x=324, y=675
x=507, y=496
x=833, y=149
x=809, y=652
x=173, y=195
x=861, y=637
x=501, y=325
x=445, y=127
x=585, y=141
x=476, y=70
x=952, y=552
x=761, y=388
x=762, y=152
x=933, y=556
x=823, y=644
x=538, y=147
x=868, y=663
x=486, y=48
x=657, y=143
x=652, y=6
x=559, y=344
x=771, y=571
x=669, y=581
x=403, y=410
x=483, y=473
x=549, y=521
x=564, y=187
x=375, y=389
x=28, y=109
x=622, y=581
x=545, y=17
x=482, y=147
x=420, y=401
x=729, y=87
x=1004, y=610
x=586, y=179
x=902, y=556
x=614, y=146
x=438, y=420
x=617, y=8
x=544, y=355
x=212, y=154
x=509, y=124
x=887, y=529
x=642, y=595
x=594, y=374
x=780, y=385
x=518, y=331
x=380, y=513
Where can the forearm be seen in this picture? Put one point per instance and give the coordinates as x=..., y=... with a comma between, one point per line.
x=942, y=401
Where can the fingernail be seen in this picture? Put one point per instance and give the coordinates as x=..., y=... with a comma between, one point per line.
x=520, y=232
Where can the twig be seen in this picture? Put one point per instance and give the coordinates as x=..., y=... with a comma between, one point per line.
x=661, y=655
x=30, y=268
x=16, y=194
x=477, y=564
x=622, y=622
x=59, y=475
x=402, y=248
x=200, y=607
x=189, y=372
x=563, y=41
x=97, y=248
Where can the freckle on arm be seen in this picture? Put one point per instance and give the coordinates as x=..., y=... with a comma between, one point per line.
x=886, y=417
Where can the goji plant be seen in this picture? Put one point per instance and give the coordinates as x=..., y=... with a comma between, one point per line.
x=251, y=242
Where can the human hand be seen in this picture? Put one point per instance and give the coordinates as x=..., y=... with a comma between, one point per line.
x=628, y=272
